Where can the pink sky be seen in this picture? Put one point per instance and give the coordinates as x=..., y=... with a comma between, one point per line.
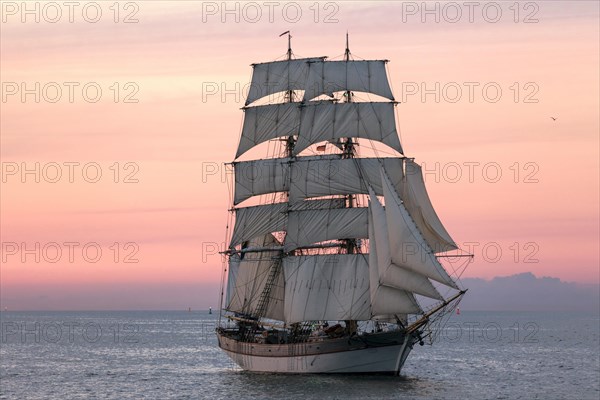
x=176, y=131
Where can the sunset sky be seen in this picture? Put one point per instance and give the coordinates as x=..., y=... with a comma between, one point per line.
x=162, y=196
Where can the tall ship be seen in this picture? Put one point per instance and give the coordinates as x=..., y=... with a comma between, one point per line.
x=333, y=263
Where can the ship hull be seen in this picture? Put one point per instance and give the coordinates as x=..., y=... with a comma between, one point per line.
x=381, y=355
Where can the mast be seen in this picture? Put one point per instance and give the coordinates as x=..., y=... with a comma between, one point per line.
x=276, y=268
x=349, y=152
x=289, y=98
x=348, y=146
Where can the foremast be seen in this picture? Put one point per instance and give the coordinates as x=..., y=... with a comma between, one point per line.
x=290, y=141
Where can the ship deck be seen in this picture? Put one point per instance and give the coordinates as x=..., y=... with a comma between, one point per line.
x=229, y=339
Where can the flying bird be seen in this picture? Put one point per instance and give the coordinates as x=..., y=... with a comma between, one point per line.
x=553, y=119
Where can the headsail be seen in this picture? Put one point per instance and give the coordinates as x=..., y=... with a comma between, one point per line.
x=393, y=274
x=417, y=202
x=386, y=300
x=408, y=247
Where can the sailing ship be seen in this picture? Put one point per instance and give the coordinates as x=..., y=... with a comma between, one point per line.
x=327, y=270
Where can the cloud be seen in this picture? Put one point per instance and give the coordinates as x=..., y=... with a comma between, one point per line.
x=526, y=292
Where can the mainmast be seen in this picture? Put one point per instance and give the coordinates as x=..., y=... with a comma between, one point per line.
x=348, y=152
x=289, y=98
x=348, y=146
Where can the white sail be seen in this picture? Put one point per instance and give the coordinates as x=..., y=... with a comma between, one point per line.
x=251, y=222
x=418, y=204
x=252, y=274
x=391, y=274
x=259, y=177
x=268, y=122
x=386, y=300
x=408, y=247
x=326, y=121
x=232, y=273
x=278, y=76
x=326, y=176
x=389, y=300
x=319, y=121
x=313, y=176
x=254, y=221
x=313, y=226
x=326, y=287
x=327, y=77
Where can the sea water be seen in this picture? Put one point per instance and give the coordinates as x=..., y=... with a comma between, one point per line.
x=170, y=354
